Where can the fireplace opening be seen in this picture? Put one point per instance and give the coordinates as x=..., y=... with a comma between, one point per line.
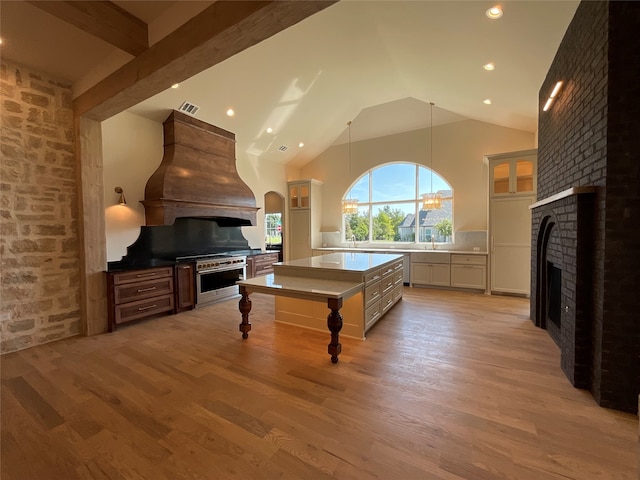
x=554, y=292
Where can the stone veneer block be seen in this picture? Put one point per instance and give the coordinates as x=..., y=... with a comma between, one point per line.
x=38, y=210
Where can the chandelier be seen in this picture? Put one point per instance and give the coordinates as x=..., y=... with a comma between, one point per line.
x=431, y=200
x=349, y=205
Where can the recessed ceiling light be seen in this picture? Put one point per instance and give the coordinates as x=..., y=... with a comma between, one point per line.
x=269, y=130
x=489, y=66
x=301, y=144
x=487, y=101
x=494, y=12
x=230, y=112
x=1, y=41
x=175, y=85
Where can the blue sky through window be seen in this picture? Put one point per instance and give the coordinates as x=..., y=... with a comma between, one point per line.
x=396, y=182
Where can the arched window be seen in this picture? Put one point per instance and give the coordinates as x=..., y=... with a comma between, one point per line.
x=391, y=207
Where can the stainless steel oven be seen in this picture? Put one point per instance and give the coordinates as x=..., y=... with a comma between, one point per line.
x=216, y=278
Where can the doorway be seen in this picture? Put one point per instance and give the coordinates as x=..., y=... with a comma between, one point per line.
x=274, y=223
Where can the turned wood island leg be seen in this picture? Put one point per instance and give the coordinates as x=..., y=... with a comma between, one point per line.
x=245, y=307
x=334, y=322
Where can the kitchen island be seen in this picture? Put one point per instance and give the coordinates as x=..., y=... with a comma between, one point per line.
x=363, y=285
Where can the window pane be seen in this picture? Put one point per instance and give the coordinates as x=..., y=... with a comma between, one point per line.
x=425, y=182
x=396, y=181
x=273, y=228
x=394, y=222
x=436, y=223
x=356, y=226
x=360, y=190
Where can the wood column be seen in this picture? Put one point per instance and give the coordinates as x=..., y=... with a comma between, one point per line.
x=91, y=227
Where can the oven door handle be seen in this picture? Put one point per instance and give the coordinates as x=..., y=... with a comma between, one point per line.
x=236, y=266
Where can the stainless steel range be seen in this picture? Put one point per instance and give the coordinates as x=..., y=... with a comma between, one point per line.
x=216, y=277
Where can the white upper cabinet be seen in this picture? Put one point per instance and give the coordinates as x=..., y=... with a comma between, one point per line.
x=513, y=176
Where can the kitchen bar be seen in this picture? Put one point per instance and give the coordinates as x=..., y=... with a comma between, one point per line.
x=365, y=286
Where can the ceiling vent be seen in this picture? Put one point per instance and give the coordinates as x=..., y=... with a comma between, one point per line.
x=283, y=148
x=189, y=108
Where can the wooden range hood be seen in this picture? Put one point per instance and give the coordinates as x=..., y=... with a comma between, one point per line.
x=198, y=177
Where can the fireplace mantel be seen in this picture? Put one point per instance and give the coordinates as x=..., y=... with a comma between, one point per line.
x=565, y=193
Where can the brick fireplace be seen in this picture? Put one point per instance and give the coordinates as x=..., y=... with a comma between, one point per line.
x=563, y=263
x=585, y=275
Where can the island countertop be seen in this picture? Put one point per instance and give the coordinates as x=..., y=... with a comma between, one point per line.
x=337, y=262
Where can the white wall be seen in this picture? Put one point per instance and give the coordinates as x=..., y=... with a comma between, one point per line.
x=132, y=151
x=458, y=156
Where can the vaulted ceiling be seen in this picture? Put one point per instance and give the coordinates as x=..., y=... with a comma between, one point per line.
x=377, y=63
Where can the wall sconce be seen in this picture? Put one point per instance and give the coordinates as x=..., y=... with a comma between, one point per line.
x=555, y=91
x=121, y=200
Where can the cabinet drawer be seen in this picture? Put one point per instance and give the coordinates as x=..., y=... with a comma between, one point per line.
x=371, y=293
x=387, y=301
x=266, y=260
x=264, y=268
x=264, y=263
x=371, y=315
x=469, y=276
x=141, y=275
x=387, y=271
x=143, y=308
x=469, y=259
x=397, y=292
x=130, y=292
x=386, y=285
x=372, y=277
x=398, y=277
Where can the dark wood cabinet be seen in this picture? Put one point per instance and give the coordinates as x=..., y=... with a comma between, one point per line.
x=136, y=294
x=185, y=287
x=261, y=264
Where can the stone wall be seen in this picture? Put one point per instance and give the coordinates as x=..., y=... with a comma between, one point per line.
x=39, y=248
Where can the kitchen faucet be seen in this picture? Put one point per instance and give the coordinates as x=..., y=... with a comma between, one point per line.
x=353, y=239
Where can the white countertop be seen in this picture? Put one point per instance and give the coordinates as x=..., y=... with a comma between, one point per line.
x=398, y=250
x=352, y=262
x=301, y=287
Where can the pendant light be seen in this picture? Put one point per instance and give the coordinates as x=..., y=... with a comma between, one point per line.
x=349, y=205
x=431, y=200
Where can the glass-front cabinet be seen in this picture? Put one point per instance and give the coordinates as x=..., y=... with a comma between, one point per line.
x=512, y=188
x=511, y=176
x=299, y=194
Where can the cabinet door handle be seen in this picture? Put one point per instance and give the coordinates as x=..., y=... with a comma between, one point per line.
x=145, y=289
x=147, y=274
x=146, y=308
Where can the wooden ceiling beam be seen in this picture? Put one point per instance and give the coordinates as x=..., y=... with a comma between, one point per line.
x=102, y=19
x=222, y=30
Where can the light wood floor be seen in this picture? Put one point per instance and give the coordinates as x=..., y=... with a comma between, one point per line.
x=448, y=386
